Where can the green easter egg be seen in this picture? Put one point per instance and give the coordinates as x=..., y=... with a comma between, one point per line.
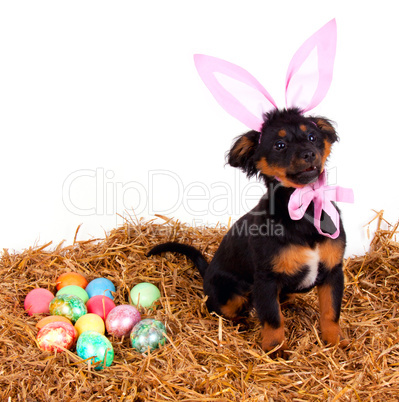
x=69, y=306
x=96, y=348
x=74, y=291
x=148, y=334
x=144, y=294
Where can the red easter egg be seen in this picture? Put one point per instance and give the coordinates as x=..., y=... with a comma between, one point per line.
x=71, y=278
x=37, y=301
x=100, y=305
x=55, y=336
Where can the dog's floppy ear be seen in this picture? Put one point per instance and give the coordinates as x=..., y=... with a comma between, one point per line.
x=326, y=127
x=242, y=152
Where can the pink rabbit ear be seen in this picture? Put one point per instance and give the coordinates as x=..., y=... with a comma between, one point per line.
x=310, y=72
x=237, y=91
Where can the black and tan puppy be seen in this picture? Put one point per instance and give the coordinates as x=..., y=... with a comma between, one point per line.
x=266, y=256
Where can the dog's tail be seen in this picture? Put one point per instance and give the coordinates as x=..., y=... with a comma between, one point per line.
x=191, y=252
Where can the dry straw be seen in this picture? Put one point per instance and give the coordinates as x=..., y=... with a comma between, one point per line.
x=207, y=358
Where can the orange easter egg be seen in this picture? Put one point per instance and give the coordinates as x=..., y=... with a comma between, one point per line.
x=71, y=278
x=51, y=318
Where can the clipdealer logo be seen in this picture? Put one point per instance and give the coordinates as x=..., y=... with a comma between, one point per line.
x=97, y=192
x=89, y=192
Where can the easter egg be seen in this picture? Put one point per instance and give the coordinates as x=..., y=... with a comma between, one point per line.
x=144, y=294
x=56, y=336
x=37, y=301
x=121, y=320
x=51, y=318
x=71, y=307
x=71, y=278
x=100, y=305
x=148, y=334
x=95, y=347
x=74, y=291
x=100, y=286
x=90, y=322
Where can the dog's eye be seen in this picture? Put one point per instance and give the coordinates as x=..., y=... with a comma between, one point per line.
x=279, y=145
x=312, y=138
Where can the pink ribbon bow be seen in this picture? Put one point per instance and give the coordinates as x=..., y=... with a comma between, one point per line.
x=322, y=197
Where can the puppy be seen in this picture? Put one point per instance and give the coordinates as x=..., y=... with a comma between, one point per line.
x=266, y=257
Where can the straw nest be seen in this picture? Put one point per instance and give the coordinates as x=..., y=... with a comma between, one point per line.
x=206, y=358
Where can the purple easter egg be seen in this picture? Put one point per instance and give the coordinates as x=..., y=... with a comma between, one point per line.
x=121, y=320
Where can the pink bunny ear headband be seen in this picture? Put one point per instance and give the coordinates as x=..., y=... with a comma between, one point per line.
x=308, y=79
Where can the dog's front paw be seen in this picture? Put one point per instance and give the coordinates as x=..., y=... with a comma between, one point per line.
x=281, y=351
x=273, y=338
x=343, y=342
x=331, y=334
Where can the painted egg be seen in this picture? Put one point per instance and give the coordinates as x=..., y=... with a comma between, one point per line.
x=95, y=347
x=56, y=336
x=121, y=320
x=74, y=291
x=144, y=294
x=148, y=334
x=100, y=286
x=37, y=301
x=71, y=278
x=90, y=322
x=68, y=306
x=100, y=305
x=52, y=318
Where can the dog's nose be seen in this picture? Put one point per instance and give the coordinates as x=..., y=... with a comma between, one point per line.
x=308, y=156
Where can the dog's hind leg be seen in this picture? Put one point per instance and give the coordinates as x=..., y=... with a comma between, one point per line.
x=234, y=307
x=227, y=294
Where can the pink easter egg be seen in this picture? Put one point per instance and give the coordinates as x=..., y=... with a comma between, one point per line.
x=37, y=301
x=121, y=320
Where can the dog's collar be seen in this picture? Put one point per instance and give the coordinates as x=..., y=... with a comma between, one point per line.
x=323, y=197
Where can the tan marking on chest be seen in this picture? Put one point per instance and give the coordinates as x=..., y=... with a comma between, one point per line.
x=331, y=252
x=293, y=258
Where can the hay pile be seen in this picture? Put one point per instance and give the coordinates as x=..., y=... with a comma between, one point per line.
x=206, y=358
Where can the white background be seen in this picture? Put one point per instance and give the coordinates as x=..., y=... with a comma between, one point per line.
x=102, y=110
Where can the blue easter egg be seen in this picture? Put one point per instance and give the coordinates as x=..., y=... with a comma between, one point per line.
x=100, y=287
x=92, y=344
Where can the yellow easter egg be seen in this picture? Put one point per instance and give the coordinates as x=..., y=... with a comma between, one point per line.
x=90, y=322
